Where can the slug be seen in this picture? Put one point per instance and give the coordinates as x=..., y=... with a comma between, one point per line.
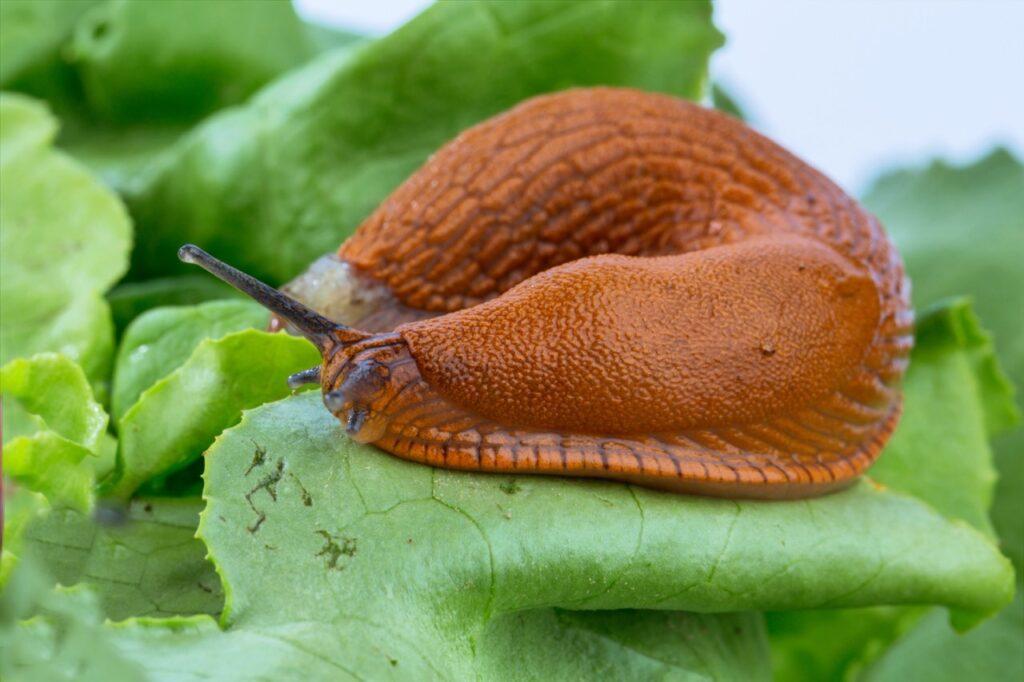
x=616, y=284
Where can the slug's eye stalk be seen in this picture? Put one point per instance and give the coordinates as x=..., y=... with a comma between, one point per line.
x=322, y=332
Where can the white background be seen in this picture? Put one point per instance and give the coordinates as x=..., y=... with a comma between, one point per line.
x=851, y=87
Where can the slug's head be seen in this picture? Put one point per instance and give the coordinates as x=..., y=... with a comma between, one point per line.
x=360, y=383
x=356, y=376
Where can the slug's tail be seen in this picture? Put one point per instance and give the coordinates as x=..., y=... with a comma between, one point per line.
x=324, y=333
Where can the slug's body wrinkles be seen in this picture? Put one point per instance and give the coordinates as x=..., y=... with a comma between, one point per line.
x=619, y=284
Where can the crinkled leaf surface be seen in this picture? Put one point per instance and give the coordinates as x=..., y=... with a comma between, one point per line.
x=148, y=563
x=64, y=239
x=55, y=430
x=161, y=340
x=54, y=390
x=175, y=419
x=277, y=183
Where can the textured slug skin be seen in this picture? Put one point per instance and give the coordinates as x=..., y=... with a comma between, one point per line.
x=625, y=285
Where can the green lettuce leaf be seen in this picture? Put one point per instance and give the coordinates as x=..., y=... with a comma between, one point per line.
x=836, y=644
x=954, y=380
x=609, y=645
x=57, y=257
x=322, y=504
x=53, y=390
x=176, y=418
x=723, y=100
x=326, y=38
x=961, y=229
x=162, y=340
x=277, y=183
x=55, y=429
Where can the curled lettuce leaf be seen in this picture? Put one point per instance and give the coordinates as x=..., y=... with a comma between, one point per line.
x=55, y=430
x=176, y=418
x=161, y=340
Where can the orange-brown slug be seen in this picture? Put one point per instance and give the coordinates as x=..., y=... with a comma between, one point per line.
x=615, y=284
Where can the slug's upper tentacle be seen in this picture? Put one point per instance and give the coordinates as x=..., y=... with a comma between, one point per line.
x=321, y=331
x=741, y=328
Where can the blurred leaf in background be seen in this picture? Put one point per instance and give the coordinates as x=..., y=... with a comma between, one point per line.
x=148, y=563
x=132, y=68
x=129, y=300
x=33, y=34
x=128, y=77
x=64, y=240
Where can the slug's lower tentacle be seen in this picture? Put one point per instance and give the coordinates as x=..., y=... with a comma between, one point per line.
x=306, y=376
